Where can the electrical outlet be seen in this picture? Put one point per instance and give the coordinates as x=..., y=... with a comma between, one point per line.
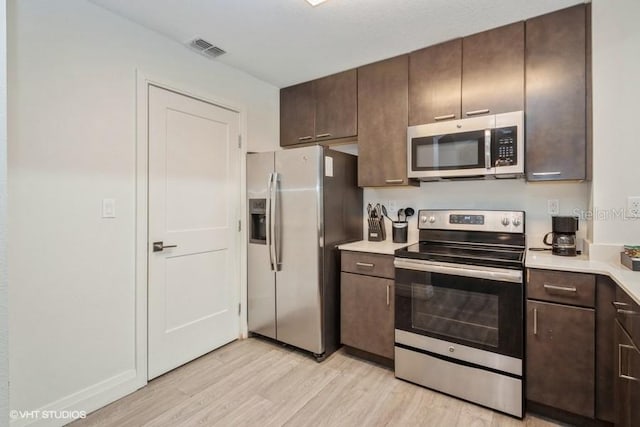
x=108, y=208
x=392, y=207
x=633, y=207
x=553, y=206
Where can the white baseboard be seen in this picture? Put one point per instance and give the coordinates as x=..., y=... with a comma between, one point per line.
x=87, y=400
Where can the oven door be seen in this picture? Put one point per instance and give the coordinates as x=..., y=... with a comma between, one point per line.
x=479, y=307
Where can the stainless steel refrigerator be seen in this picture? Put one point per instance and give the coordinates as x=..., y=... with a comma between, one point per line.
x=302, y=203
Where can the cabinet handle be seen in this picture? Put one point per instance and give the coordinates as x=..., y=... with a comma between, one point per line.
x=394, y=181
x=476, y=112
x=620, y=374
x=560, y=288
x=546, y=173
x=365, y=264
x=535, y=321
x=305, y=138
x=323, y=135
x=388, y=295
x=629, y=312
x=445, y=117
x=618, y=304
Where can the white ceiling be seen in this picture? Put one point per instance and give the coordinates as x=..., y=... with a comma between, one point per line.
x=288, y=41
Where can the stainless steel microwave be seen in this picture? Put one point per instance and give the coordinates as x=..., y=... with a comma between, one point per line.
x=483, y=147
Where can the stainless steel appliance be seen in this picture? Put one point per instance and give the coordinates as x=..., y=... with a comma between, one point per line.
x=486, y=146
x=563, y=235
x=311, y=204
x=459, y=300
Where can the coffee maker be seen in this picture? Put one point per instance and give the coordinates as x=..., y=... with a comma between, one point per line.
x=563, y=234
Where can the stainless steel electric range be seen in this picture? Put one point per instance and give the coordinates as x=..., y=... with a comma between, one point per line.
x=459, y=299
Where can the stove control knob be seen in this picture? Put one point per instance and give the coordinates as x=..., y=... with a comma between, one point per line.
x=506, y=221
x=423, y=219
x=517, y=222
x=432, y=219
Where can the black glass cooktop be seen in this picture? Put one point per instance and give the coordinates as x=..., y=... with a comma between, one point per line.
x=465, y=253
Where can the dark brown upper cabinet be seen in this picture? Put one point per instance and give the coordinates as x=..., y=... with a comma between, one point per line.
x=435, y=83
x=477, y=75
x=319, y=110
x=493, y=71
x=382, y=122
x=297, y=114
x=556, y=96
x=337, y=106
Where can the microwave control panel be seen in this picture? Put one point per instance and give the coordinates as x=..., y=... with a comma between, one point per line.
x=505, y=151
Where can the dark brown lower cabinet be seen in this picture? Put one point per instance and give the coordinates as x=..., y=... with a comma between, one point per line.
x=627, y=379
x=367, y=313
x=561, y=356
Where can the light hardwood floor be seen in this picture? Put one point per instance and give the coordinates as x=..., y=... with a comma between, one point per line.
x=259, y=383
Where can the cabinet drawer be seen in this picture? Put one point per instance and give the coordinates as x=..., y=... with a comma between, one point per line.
x=369, y=264
x=628, y=314
x=563, y=287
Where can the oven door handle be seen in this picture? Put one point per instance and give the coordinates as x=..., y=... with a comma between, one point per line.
x=497, y=274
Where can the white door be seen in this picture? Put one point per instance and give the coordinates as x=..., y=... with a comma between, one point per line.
x=194, y=203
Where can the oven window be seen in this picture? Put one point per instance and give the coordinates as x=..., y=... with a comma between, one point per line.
x=459, y=314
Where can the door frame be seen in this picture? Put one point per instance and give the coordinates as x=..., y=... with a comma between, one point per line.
x=143, y=81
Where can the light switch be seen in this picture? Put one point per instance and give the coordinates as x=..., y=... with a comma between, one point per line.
x=108, y=208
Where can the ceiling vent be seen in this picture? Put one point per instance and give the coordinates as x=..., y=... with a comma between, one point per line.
x=206, y=48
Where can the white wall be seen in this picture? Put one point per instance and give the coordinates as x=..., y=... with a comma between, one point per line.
x=490, y=194
x=4, y=328
x=616, y=91
x=72, y=130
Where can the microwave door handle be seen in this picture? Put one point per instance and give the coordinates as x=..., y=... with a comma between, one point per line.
x=487, y=148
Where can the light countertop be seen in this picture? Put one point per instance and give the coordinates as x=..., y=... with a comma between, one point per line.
x=628, y=280
x=386, y=247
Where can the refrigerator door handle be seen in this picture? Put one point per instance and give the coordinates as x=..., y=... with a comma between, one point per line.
x=276, y=221
x=269, y=221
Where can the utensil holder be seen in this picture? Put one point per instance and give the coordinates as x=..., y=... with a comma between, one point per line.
x=399, y=231
x=377, y=232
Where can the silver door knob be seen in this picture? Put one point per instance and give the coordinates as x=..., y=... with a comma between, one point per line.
x=159, y=246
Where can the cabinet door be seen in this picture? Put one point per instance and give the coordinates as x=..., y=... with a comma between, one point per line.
x=297, y=114
x=366, y=312
x=493, y=71
x=336, y=106
x=627, y=379
x=556, y=147
x=382, y=122
x=435, y=83
x=605, y=320
x=560, y=357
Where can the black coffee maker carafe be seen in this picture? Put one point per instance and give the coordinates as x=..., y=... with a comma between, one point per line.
x=563, y=234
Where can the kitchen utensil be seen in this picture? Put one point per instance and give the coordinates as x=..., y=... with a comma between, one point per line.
x=409, y=212
x=369, y=208
x=400, y=214
x=384, y=212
